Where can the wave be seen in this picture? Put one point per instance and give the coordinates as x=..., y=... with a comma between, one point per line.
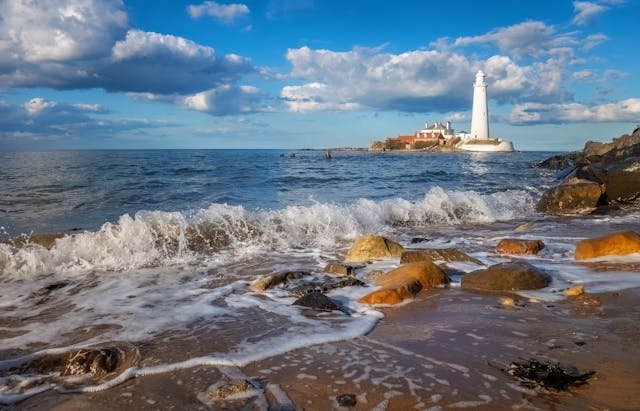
x=152, y=238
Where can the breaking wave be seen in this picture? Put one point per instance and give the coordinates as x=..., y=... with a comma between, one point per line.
x=152, y=238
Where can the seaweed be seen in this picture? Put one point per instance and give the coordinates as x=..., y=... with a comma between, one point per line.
x=534, y=373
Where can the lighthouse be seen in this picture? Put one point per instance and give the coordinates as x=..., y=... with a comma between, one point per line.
x=480, y=112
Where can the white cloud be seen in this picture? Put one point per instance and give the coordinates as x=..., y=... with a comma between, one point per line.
x=536, y=113
x=226, y=100
x=224, y=12
x=415, y=81
x=583, y=74
x=39, y=117
x=594, y=40
x=59, y=31
x=586, y=12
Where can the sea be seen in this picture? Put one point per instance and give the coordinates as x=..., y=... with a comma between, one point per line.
x=154, y=245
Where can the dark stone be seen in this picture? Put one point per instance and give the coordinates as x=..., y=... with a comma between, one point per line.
x=622, y=182
x=561, y=161
x=317, y=301
x=506, y=277
x=346, y=400
x=417, y=240
x=534, y=374
x=324, y=287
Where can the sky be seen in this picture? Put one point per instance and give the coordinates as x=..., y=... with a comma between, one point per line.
x=112, y=74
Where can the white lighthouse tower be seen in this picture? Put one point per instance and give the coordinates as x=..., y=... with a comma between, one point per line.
x=480, y=112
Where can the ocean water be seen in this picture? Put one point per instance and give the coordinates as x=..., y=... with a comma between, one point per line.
x=183, y=233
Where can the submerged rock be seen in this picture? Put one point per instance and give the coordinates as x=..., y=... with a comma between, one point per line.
x=405, y=282
x=46, y=240
x=619, y=243
x=346, y=400
x=518, y=246
x=371, y=247
x=576, y=196
x=266, y=282
x=437, y=254
x=324, y=287
x=317, y=301
x=506, y=277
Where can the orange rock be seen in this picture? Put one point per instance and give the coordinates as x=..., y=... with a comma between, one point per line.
x=405, y=282
x=575, y=291
x=517, y=246
x=620, y=243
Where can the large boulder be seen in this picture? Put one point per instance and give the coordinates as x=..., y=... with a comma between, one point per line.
x=519, y=246
x=405, y=282
x=436, y=254
x=622, y=181
x=371, y=247
x=510, y=276
x=577, y=196
x=619, y=243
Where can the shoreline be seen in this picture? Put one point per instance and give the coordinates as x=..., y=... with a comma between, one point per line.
x=444, y=349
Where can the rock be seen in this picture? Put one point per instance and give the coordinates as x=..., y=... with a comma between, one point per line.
x=264, y=283
x=436, y=254
x=508, y=302
x=231, y=389
x=405, y=282
x=506, y=277
x=341, y=269
x=619, y=243
x=418, y=240
x=573, y=197
x=346, y=400
x=518, y=246
x=561, y=161
x=46, y=240
x=96, y=362
x=371, y=247
x=575, y=291
x=324, y=287
x=622, y=182
x=317, y=301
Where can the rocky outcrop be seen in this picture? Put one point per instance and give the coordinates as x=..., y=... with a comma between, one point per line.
x=614, y=166
x=437, y=254
x=575, y=196
x=519, y=246
x=620, y=243
x=405, y=282
x=511, y=276
x=263, y=283
x=372, y=247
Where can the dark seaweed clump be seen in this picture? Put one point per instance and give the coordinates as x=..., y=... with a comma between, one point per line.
x=534, y=374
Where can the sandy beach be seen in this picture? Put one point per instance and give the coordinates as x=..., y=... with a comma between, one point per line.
x=447, y=349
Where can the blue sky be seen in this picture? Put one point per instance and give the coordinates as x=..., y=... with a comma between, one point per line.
x=311, y=73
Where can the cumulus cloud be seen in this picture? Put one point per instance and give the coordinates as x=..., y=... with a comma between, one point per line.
x=41, y=117
x=415, y=81
x=586, y=12
x=536, y=113
x=226, y=99
x=227, y=13
x=74, y=44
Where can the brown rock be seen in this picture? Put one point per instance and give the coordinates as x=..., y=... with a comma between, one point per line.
x=405, y=282
x=573, y=197
x=266, y=282
x=575, y=291
x=518, y=246
x=341, y=269
x=506, y=277
x=620, y=243
x=46, y=240
x=371, y=247
x=436, y=254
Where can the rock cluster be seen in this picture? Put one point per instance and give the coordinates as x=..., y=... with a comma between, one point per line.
x=602, y=174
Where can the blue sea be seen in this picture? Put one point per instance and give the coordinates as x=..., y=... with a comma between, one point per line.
x=157, y=245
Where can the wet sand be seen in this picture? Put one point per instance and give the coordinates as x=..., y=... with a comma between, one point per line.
x=444, y=350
